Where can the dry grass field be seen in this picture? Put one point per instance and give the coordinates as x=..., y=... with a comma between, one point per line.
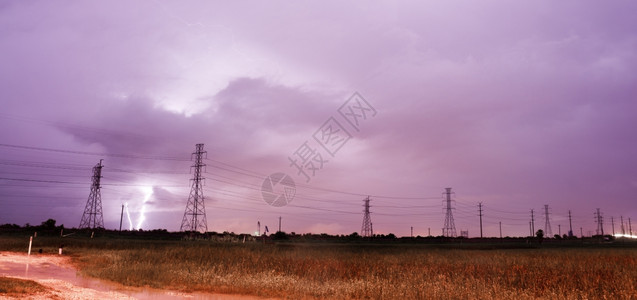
x=363, y=271
x=19, y=288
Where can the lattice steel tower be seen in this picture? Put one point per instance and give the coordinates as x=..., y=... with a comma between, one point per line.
x=366, y=229
x=547, y=224
x=600, y=222
x=450, y=228
x=195, y=214
x=93, y=217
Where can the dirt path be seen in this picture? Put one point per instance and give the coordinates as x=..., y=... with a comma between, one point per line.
x=57, y=274
x=44, y=269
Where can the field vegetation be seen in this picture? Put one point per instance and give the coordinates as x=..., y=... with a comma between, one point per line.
x=356, y=270
x=19, y=288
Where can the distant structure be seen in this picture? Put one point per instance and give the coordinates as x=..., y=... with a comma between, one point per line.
x=464, y=233
x=570, y=224
x=93, y=218
x=366, y=229
x=480, y=215
x=195, y=214
x=449, y=230
x=600, y=222
x=547, y=223
x=532, y=223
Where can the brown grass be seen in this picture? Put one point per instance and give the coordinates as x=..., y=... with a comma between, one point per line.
x=370, y=272
x=14, y=287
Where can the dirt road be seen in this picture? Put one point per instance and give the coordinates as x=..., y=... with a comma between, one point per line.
x=56, y=273
x=53, y=272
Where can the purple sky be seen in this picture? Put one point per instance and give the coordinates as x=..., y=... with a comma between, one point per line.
x=513, y=105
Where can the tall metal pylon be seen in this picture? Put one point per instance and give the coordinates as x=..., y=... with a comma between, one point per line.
x=532, y=223
x=93, y=217
x=570, y=224
x=480, y=214
x=600, y=222
x=366, y=229
x=547, y=222
x=195, y=213
x=449, y=230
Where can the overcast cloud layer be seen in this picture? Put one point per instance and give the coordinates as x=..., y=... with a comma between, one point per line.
x=512, y=104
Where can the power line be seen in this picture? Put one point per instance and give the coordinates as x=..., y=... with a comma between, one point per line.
x=130, y=156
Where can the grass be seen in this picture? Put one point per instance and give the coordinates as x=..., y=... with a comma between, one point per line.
x=14, y=287
x=361, y=271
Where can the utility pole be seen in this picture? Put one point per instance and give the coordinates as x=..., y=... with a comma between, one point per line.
x=412, y=231
x=480, y=214
x=612, y=222
x=559, y=230
x=195, y=214
x=547, y=222
x=121, y=217
x=570, y=224
x=581, y=232
x=500, y=229
x=530, y=230
x=630, y=228
x=366, y=228
x=532, y=223
x=623, y=229
x=449, y=230
x=279, y=223
x=429, y=231
x=93, y=216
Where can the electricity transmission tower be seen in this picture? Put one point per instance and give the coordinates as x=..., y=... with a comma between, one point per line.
x=600, y=222
x=366, y=228
x=195, y=214
x=532, y=223
x=570, y=225
x=622, y=222
x=547, y=222
x=480, y=214
x=93, y=217
x=449, y=230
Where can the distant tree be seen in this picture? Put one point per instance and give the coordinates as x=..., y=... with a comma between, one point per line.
x=557, y=237
x=48, y=224
x=354, y=235
x=540, y=235
x=280, y=235
x=391, y=236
